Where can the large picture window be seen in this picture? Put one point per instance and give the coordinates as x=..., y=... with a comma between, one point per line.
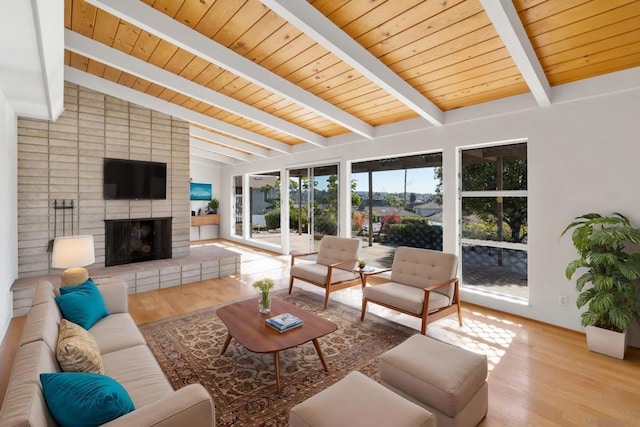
x=398, y=202
x=493, y=219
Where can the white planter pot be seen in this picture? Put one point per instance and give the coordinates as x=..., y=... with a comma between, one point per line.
x=606, y=342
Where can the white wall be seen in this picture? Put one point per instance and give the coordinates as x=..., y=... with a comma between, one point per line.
x=582, y=158
x=206, y=172
x=8, y=210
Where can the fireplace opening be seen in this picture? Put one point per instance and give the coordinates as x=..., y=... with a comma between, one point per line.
x=137, y=240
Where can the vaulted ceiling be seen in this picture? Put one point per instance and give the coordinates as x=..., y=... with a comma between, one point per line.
x=262, y=78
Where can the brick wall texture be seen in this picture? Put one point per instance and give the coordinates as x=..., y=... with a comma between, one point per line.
x=63, y=160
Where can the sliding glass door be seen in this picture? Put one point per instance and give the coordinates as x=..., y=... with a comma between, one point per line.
x=313, y=206
x=264, y=205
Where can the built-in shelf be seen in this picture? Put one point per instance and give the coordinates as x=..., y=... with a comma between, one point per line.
x=199, y=220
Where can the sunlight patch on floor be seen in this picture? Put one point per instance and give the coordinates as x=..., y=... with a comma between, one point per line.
x=480, y=334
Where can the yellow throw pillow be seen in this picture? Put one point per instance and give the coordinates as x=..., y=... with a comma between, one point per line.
x=77, y=350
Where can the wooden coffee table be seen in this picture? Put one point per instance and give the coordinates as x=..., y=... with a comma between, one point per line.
x=246, y=324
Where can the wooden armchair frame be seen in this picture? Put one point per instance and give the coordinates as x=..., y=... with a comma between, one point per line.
x=328, y=286
x=425, y=315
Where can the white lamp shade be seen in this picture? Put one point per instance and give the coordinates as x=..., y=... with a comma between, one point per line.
x=73, y=251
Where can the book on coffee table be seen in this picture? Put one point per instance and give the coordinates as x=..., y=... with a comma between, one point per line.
x=283, y=322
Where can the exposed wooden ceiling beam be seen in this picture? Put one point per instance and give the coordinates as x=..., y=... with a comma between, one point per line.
x=104, y=54
x=207, y=146
x=203, y=158
x=206, y=154
x=163, y=26
x=225, y=140
x=47, y=16
x=506, y=21
x=90, y=81
x=315, y=25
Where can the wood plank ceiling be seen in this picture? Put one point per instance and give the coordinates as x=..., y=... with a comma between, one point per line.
x=448, y=51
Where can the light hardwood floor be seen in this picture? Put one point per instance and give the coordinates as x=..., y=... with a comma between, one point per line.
x=540, y=375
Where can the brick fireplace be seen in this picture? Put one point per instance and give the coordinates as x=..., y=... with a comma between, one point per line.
x=137, y=240
x=63, y=160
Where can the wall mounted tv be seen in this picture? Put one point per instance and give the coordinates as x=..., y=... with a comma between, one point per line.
x=134, y=179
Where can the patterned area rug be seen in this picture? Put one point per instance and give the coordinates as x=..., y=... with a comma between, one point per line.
x=242, y=383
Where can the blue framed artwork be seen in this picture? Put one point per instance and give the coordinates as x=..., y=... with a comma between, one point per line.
x=200, y=191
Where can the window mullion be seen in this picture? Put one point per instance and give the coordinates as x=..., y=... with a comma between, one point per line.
x=495, y=244
x=494, y=193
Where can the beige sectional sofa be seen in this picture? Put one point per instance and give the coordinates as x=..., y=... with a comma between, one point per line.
x=126, y=358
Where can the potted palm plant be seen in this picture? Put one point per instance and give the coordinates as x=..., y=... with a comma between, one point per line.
x=213, y=205
x=608, y=287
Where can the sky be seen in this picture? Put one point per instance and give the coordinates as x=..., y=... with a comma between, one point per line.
x=418, y=181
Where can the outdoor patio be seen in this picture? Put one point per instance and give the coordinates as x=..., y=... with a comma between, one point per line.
x=480, y=266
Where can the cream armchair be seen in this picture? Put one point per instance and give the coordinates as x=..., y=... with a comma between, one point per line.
x=423, y=284
x=333, y=268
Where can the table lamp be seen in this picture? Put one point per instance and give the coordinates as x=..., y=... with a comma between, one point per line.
x=73, y=253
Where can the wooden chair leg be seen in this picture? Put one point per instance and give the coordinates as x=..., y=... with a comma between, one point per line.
x=290, y=284
x=326, y=298
x=364, y=309
x=456, y=296
x=425, y=312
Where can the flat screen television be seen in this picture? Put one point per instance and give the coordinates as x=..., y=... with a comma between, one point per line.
x=134, y=179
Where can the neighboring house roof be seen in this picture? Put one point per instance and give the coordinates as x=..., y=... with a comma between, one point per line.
x=387, y=210
x=435, y=219
x=430, y=205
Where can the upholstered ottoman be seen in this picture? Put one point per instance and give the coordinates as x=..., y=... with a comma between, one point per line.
x=448, y=381
x=358, y=401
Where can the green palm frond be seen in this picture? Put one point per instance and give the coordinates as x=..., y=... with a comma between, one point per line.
x=613, y=236
x=603, y=283
x=589, y=318
x=602, y=302
x=623, y=219
x=585, y=297
x=573, y=266
x=629, y=270
x=583, y=280
x=601, y=259
x=621, y=317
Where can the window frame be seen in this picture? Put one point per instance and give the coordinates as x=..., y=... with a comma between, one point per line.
x=489, y=193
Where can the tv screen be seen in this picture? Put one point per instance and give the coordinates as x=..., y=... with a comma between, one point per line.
x=134, y=179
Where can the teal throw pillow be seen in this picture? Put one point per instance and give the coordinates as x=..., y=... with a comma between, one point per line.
x=82, y=305
x=82, y=399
